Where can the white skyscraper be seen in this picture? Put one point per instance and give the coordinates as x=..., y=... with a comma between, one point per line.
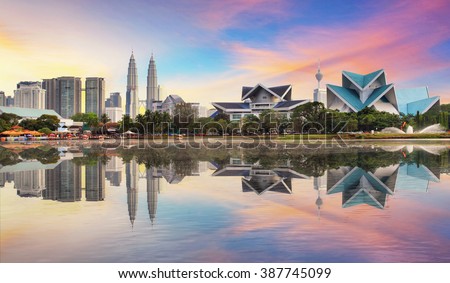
x=152, y=84
x=132, y=97
x=320, y=94
x=29, y=95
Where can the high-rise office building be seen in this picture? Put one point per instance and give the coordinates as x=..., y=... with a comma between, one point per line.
x=114, y=100
x=9, y=101
x=29, y=95
x=152, y=84
x=2, y=98
x=95, y=95
x=132, y=97
x=63, y=95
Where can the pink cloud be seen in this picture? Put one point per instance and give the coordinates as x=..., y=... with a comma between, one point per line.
x=398, y=40
x=216, y=15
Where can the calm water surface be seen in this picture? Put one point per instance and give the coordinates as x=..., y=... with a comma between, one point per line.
x=364, y=203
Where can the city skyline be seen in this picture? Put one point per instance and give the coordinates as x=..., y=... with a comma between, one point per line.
x=207, y=50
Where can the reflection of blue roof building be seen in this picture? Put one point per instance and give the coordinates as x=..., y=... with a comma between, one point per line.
x=359, y=186
x=415, y=177
x=360, y=91
x=259, y=98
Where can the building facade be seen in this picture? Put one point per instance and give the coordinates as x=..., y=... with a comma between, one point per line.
x=132, y=96
x=9, y=101
x=169, y=104
x=95, y=95
x=259, y=98
x=2, y=98
x=114, y=113
x=114, y=100
x=360, y=91
x=63, y=95
x=29, y=95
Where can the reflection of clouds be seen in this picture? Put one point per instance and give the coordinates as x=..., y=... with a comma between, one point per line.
x=205, y=218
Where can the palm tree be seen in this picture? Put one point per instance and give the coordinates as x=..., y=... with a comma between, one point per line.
x=104, y=118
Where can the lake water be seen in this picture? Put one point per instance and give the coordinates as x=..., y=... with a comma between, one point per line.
x=74, y=202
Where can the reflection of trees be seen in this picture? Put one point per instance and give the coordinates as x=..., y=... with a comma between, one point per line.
x=44, y=154
x=309, y=162
x=8, y=157
x=91, y=157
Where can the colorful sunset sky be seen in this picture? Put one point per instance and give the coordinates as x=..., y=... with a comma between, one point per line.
x=206, y=51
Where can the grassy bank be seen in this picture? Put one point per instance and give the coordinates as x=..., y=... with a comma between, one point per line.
x=376, y=136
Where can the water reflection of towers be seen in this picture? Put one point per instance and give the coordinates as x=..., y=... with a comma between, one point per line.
x=152, y=176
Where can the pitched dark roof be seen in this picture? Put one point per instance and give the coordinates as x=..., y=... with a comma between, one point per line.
x=233, y=105
x=285, y=104
x=213, y=115
x=280, y=90
x=246, y=89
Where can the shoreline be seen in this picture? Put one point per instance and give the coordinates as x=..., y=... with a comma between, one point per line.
x=224, y=141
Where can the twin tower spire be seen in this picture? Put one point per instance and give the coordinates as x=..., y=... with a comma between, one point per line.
x=132, y=95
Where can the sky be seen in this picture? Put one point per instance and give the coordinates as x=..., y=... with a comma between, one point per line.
x=205, y=51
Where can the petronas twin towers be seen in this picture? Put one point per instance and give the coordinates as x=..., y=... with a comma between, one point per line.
x=132, y=95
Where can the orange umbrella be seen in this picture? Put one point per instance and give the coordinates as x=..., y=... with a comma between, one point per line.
x=11, y=133
x=33, y=133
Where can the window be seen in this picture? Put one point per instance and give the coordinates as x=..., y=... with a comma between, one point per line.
x=236, y=117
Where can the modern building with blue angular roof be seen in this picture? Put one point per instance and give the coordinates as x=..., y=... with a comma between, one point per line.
x=371, y=90
x=258, y=98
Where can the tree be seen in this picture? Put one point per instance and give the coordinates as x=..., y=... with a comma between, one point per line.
x=309, y=116
x=184, y=117
x=222, y=116
x=47, y=121
x=268, y=120
x=443, y=119
x=90, y=118
x=45, y=131
x=126, y=123
x=29, y=124
x=104, y=118
x=7, y=120
x=445, y=107
x=250, y=125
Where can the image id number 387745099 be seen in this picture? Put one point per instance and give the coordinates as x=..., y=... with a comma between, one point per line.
x=286, y=272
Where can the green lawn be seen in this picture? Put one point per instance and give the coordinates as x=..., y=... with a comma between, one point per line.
x=365, y=136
